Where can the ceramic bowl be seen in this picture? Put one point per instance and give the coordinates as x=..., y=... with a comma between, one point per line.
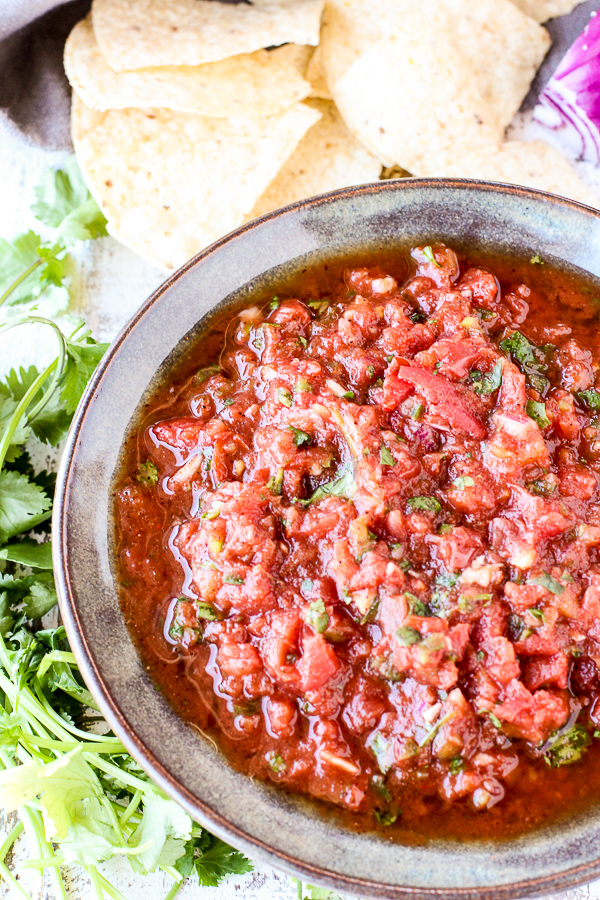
x=261, y=820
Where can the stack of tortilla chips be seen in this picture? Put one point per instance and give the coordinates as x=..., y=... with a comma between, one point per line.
x=192, y=116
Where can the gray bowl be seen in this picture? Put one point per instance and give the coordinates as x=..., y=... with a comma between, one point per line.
x=262, y=821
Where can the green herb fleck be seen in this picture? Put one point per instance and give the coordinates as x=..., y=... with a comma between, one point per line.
x=406, y=636
x=537, y=412
x=231, y=578
x=536, y=260
x=300, y=437
x=147, y=473
x=495, y=720
x=456, y=765
x=487, y=382
x=317, y=617
x=547, y=581
x=462, y=482
x=567, y=747
x=276, y=762
x=285, y=397
x=275, y=482
x=205, y=610
x=385, y=457
x=428, y=254
x=428, y=504
x=591, y=399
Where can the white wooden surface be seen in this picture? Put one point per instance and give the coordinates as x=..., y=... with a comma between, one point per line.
x=110, y=284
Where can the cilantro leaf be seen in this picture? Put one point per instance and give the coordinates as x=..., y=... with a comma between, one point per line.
x=487, y=382
x=591, y=399
x=300, y=437
x=219, y=860
x=48, y=271
x=343, y=486
x=22, y=503
x=317, y=617
x=52, y=423
x=429, y=504
x=22, y=432
x=568, y=747
x=385, y=457
x=529, y=357
x=29, y=553
x=82, y=358
x=41, y=599
x=64, y=202
x=537, y=412
x=547, y=581
x=166, y=828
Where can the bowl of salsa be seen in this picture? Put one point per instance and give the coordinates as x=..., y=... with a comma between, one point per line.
x=329, y=539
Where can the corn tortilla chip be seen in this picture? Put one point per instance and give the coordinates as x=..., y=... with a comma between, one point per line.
x=137, y=34
x=542, y=10
x=170, y=183
x=501, y=47
x=328, y=157
x=317, y=76
x=296, y=55
x=529, y=163
x=412, y=100
x=256, y=84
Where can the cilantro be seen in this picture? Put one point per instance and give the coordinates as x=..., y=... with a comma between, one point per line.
x=303, y=341
x=537, y=412
x=381, y=747
x=386, y=818
x=548, y=582
x=317, y=617
x=231, y=578
x=536, y=260
x=205, y=610
x=274, y=304
x=529, y=357
x=64, y=202
x=540, y=487
x=284, y=396
x=495, y=720
x=428, y=254
x=22, y=504
x=83, y=355
x=29, y=553
x=487, y=382
x=428, y=504
x=204, y=374
x=456, y=765
x=41, y=598
x=51, y=423
x=302, y=385
x=275, y=482
x=416, y=412
x=343, y=486
x=568, y=746
x=537, y=614
x=147, y=473
x=370, y=371
x=406, y=636
x=462, y=482
x=591, y=399
x=212, y=860
x=445, y=528
x=276, y=762
x=386, y=457
x=300, y=437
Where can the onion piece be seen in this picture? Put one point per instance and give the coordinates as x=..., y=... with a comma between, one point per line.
x=569, y=105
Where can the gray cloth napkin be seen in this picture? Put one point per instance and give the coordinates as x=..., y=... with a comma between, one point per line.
x=34, y=93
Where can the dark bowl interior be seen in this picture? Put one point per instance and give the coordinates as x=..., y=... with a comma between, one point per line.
x=264, y=822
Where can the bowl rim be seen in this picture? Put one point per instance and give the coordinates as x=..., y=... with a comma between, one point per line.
x=197, y=809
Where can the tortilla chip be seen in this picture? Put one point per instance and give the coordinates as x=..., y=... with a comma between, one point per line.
x=137, y=34
x=529, y=163
x=412, y=100
x=257, y=84
x=542, y=10
x=502, y=47
x=351, y=27
x=317, y=76
x=327, y=158
x=170, y=183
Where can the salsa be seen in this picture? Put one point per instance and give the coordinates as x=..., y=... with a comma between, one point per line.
x=358, y=536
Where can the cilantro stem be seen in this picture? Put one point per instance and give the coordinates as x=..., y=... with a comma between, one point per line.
x=20, y=280
x=110, y=889
x=15, y=419
x=10, y=839
x=93, y=873
x=66, y=746
x=175, y=875
x=12, y=881
x=174, y=890
x=133, y=805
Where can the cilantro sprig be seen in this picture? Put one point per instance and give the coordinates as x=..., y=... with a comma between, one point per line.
x=79, y=795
